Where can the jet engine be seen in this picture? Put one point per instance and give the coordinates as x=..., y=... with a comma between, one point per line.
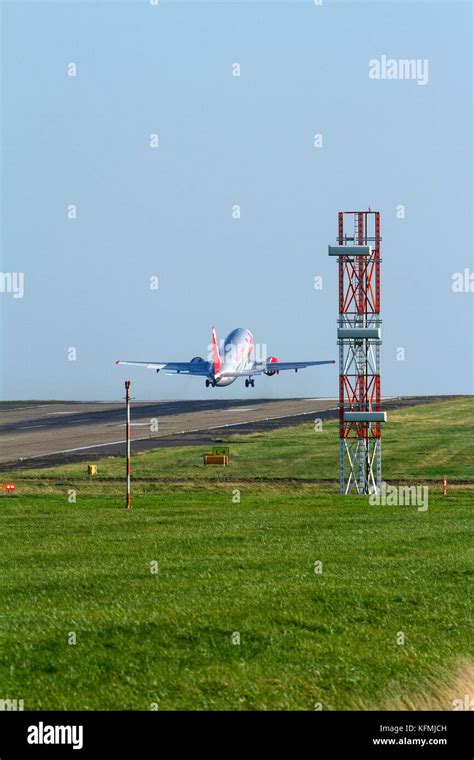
x=272, y=360
x=197, y=359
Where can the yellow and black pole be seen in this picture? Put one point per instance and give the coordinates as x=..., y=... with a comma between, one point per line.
x=127, y=399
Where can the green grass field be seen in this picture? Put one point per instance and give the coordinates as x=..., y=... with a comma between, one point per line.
x=167, y=634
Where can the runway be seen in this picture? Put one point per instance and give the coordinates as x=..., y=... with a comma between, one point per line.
x=35, y=435
x=44, y=434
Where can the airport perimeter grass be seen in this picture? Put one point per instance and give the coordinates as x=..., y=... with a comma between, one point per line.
x=227, y=567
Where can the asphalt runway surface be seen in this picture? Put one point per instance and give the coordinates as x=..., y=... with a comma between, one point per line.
x=45, y=434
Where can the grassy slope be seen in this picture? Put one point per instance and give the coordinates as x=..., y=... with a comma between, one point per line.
x=226, y=567
x=246, y=567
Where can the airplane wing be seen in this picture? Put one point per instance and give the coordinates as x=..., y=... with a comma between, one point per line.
x=201, y=368
x=261, y=368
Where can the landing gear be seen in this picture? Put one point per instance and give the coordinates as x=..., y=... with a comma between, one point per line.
x=210, y=382
x=249, y=381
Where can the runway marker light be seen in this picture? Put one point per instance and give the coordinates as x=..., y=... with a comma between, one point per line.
x=128, y=468
x=445, y=485
x=10, y=487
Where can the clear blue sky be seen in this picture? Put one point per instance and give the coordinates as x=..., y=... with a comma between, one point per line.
x=224, y=140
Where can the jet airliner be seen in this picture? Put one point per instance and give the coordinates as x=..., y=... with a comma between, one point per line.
x=236, y=362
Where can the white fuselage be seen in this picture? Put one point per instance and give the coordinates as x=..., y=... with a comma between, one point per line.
x=238, y=348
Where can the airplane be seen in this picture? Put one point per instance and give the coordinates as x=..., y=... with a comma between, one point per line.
x=235, y=363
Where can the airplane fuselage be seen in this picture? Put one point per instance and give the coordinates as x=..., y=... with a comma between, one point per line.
x=238, y=348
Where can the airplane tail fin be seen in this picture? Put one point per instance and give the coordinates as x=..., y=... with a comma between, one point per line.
x=215, y=349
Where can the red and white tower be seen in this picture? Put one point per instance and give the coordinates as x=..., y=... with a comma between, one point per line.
x=359, y=341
